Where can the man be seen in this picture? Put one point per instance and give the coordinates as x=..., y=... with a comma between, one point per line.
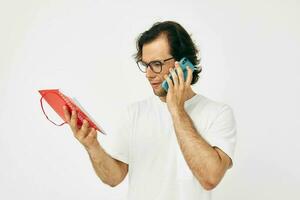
x=175, y=145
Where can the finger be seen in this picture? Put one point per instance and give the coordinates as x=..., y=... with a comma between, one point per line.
x=180, y=73
x=85, y=125
x=189, y=76
x=174, y=77
x=91, y=134
x=170, y=83
x=83, y=132
x=67, y=114
x=73, y=122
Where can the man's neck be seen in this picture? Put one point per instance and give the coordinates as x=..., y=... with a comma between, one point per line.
x=190, y=94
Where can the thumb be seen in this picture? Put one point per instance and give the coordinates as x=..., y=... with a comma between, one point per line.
x=92, y=133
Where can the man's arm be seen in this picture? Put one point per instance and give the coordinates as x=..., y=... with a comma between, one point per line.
x=109, y=170
x=207, y=163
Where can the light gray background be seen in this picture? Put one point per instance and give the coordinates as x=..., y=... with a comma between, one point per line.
x=250, y=56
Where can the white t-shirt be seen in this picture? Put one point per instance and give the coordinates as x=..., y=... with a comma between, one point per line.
x=145, y=139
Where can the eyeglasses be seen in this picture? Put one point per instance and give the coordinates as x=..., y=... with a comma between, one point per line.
x=155, y=66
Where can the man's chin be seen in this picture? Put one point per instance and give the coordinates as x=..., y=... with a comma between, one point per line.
x=160, y=92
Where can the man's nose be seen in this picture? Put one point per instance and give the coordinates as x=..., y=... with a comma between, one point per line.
x=150, y=73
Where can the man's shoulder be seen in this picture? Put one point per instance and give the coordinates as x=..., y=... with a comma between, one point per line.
x=212, y=106
x=143, y=104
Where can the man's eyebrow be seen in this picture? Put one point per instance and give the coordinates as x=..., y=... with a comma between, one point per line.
x=152, y=61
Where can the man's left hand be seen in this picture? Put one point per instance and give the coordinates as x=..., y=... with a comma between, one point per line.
x=177, y=92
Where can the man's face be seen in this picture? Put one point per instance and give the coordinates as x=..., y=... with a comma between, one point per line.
x=157, y=50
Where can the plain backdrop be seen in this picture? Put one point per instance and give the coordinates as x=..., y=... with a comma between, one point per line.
x=250, y=57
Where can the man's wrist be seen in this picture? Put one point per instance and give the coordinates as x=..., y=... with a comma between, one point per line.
x=178, y=113
x=93, y=148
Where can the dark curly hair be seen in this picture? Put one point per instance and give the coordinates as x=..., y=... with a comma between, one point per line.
x=180, y=42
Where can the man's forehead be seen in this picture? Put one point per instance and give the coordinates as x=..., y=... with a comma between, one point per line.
x=158, y=49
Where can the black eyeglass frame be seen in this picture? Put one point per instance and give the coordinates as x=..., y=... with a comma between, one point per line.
x=161, y=62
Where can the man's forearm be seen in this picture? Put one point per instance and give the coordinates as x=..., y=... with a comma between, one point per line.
x=107, y=168
x=203, y=160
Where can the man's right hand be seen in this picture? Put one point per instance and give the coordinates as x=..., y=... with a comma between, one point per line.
x=86, y=135
x=108, y=169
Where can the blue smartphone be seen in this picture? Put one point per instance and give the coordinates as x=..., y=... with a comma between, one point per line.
x=183, y=63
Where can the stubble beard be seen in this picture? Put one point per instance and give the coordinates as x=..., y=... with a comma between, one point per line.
x=160, y=92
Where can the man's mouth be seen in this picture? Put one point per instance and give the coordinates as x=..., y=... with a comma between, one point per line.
x=155, y=84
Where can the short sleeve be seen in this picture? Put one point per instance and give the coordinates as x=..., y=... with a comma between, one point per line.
x=116, y=142
x=222, y=132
